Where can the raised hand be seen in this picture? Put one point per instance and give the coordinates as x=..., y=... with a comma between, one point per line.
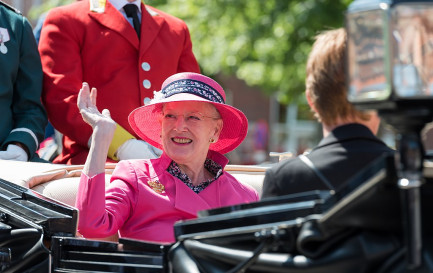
x=86, y=103
x=103, y=130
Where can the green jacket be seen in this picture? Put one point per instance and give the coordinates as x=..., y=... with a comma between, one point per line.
x=22, y=118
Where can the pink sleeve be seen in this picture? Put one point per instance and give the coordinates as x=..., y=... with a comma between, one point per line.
x=102, y=212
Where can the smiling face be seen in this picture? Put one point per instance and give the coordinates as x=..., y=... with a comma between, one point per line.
x=187, y=128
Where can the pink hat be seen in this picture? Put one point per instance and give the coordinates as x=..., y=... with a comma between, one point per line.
x=188, y=86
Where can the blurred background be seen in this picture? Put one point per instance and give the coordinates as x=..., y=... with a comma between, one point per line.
x=257, y=50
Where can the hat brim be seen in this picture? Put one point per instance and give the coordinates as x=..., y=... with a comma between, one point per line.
x=146, y=123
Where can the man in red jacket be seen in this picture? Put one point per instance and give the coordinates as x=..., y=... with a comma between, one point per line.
x=97, y=42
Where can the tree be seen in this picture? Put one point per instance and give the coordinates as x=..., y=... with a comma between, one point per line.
x=263, y=42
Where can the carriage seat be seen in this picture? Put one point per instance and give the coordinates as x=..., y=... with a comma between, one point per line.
x=60, y=182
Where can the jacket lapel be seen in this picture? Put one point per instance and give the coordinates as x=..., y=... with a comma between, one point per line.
x=151, y=24
x=187, y=200
x=113, y=19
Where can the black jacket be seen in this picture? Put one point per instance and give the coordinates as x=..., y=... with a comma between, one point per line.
x=339, y=156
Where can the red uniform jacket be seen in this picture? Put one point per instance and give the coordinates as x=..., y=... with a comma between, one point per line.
x=103, y=49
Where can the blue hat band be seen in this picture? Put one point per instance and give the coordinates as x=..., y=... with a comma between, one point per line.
x=194, y=87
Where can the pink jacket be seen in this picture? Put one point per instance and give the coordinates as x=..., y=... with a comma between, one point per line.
x=143, y=201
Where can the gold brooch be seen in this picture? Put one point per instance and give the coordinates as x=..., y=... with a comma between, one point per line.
x=156, y=186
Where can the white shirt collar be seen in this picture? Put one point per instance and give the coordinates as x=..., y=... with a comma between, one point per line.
x=118, y=4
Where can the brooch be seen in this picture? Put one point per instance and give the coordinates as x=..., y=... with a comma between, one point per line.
x=156, y=186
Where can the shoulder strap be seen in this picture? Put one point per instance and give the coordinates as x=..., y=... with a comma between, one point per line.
x=319, y=174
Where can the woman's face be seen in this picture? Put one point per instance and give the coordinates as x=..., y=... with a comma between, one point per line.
x=187, y=128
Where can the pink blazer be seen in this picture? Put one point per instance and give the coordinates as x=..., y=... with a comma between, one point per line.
x=143, y=201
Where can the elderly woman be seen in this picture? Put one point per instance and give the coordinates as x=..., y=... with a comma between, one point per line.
x=189, y=120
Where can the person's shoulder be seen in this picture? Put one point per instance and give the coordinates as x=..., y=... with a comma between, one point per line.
x=13, y=15
x=170, y=18
x=70, y=18
x=75, y=9
x=139, y=166
x=130, y=170
x=9, y=8
x=134, y=163
x=242, y=188
x=285, y=166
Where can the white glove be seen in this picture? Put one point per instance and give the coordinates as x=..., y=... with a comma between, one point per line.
x=14, y=152
x=137, y=149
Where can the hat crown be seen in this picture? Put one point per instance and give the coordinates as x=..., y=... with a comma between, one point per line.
x=185, y=87
x=195, y=84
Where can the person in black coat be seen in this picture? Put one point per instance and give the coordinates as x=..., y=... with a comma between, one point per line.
x=349, y=142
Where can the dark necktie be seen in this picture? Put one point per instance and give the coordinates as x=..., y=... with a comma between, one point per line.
x=131, y=12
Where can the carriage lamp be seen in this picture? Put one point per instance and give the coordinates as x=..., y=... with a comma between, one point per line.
x=390, y=69
x=390, y=53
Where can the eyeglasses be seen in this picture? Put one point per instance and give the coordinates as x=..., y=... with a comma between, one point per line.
x=192, y=118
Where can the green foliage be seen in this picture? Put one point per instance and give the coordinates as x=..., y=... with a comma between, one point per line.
x=264, y=42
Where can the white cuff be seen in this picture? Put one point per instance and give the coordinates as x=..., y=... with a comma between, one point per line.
x=137, y=149
x=14, y=152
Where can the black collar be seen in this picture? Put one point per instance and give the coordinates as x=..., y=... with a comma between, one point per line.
x=348, y=132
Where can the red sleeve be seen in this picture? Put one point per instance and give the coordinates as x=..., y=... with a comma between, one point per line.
x=59, y=48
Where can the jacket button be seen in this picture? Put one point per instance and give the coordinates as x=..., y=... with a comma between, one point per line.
x=146, y=100
x=145, y=66
x=146, y=84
